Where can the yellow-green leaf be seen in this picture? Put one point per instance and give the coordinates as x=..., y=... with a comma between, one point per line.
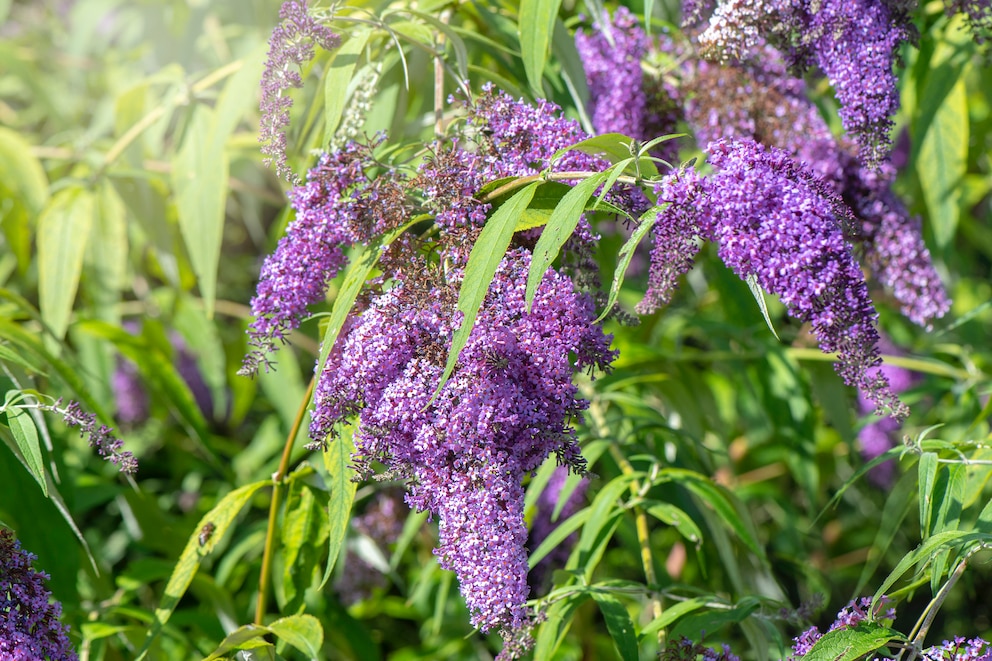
x=63, y=232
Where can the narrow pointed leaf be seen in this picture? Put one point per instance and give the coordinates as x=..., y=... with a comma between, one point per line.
x=339, y=74
x=26, y=437
x=483, y=261
x=220, y=517
x=647, y=221
x=619, y=624
x=536, y=22
x=337, y=461
x=63, y=231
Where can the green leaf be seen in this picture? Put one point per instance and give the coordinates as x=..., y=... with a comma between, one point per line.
x=619, y=624
x=243, y=638
x=675, y=517
x=572, y=72
x=26, y=436
x=672, y=614
x=644, y=225
x=199, y=177
x=483, y=261
x=720, y=500
x=558, y=535
x=928, y=475
x=536, y=21
x=604, y=515
x=304, y=530
x=220, y=517
x=924, y=553
x=694, y=625
x=63, y=231
x=559, y=618
x=851, y=643
x=759, y=297
x=614, y=147
x=943, y=163
x=21, y=174
x=302, y=632
x=562, y=223
x=339, y=74
x=106, y=256
x=337, y=461
x=238, y=96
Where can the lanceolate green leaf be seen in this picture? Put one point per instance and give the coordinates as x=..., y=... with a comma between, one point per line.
x=220, y=517
x=536, y=21
x=63, y=231
x=563, y=221
x=339, y=74
x=851, y=643
x=646, y=222
x=943, y=162
x=302, y=632
x=619, y=624
x=199, y=177
x=483, y=261
x=26, y=437
x=337, y=461
x=928, y=475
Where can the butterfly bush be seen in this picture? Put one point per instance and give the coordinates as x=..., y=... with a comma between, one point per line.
x=789, y=206
x=30, y=629
x=777, y=223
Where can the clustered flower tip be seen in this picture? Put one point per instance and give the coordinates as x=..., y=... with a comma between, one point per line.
x=30, y=627
x=290, y=47
x=100, y=437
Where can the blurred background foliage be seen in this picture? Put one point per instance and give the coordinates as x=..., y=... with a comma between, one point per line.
x=134, y=214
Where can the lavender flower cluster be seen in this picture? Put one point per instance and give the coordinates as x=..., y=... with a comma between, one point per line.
x=290, y=47
x=30, y=629
x=100, y=437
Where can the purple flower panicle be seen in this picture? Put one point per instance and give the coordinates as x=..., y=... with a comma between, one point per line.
x=776, y=222
x=508, y=405
x=30, y=629
x=613, y=72
x=290, y=47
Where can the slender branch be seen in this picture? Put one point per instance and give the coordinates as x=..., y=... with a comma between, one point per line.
x=551, y=176
x=156, y=113
x=640, y=516
x=277, y=478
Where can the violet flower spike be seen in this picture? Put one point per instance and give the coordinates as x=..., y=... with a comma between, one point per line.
x=100, y=437
x=290, y=47
x=30, y=629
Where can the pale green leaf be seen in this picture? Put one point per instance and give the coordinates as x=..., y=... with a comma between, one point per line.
x=220, y=517
x=302, y=632
x=26, y=436
x=943, y=163
x=337, y=461
x=851, y=643
x=63, y=232
x=535, y=25
x=199, y=177
x=339, y=74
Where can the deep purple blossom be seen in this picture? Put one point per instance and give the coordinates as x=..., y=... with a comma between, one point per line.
x=508, y=405
x=290, y=47
x=611, y=56
x=779, y=224
x=760, y=100
x=129, y=392
x=100, y=437
x=30, y=629
x=853, y=42
x=685, y=649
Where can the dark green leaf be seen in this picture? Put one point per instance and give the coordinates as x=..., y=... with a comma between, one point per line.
x=619, y=624
x=26, y=436
x=337, y=461
x=645, y=223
